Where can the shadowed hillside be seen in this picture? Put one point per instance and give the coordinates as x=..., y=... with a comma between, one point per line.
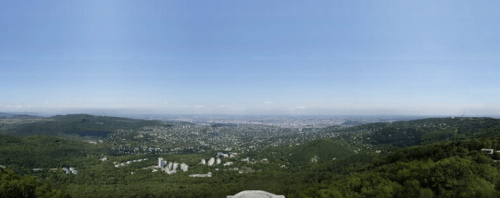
x=318, y=150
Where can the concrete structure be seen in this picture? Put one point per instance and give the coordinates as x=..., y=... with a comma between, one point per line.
x=65, y=170
x=255, y=194
x=233, y=155
x=211, y=161
x=487, y=151
x=161, y=162
x=219, y=154
x=202, y=161
x=228, y=163
x=184, y=167
x=218, y=161
x=73, y=170
x=170, y=171
x=117, y=164
x=171, y=167
x=209, y=174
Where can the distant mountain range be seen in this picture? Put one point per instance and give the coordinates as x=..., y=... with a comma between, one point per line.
x=16, y=115
x=6, y=114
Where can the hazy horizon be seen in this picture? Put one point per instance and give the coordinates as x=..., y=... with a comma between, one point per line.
x=422, y=58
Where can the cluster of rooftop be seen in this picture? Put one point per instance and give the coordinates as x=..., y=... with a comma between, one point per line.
x=127, y=162
x=170, y=168
x=73, y=170
x=209, y=174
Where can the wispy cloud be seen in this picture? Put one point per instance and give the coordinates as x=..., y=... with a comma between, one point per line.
x=300, y=107
x=267, y=102
x=198, y=106
x=222, y=106
x=19, y=106
x=165, y=102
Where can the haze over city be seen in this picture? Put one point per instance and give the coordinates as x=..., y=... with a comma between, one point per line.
x=422, y=58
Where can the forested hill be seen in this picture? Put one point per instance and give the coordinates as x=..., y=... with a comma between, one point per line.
x=318, y=151
x=5, y=114
x=16, y=116
x=27, y=152
x=444, y=169
x=13, y=185
x=61, y=125
x=425, y=131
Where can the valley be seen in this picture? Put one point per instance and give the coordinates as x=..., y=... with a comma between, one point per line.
x=109, y=154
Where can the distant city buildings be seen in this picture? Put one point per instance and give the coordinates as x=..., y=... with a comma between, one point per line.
x=220, y=154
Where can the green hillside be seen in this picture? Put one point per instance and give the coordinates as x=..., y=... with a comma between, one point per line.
x=425, y=131
x=13, y=185
x=318, y=150
x=27, y=152
x=79, y=124
x=444, y=169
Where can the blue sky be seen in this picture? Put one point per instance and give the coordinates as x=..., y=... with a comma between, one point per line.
x=300, y=57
